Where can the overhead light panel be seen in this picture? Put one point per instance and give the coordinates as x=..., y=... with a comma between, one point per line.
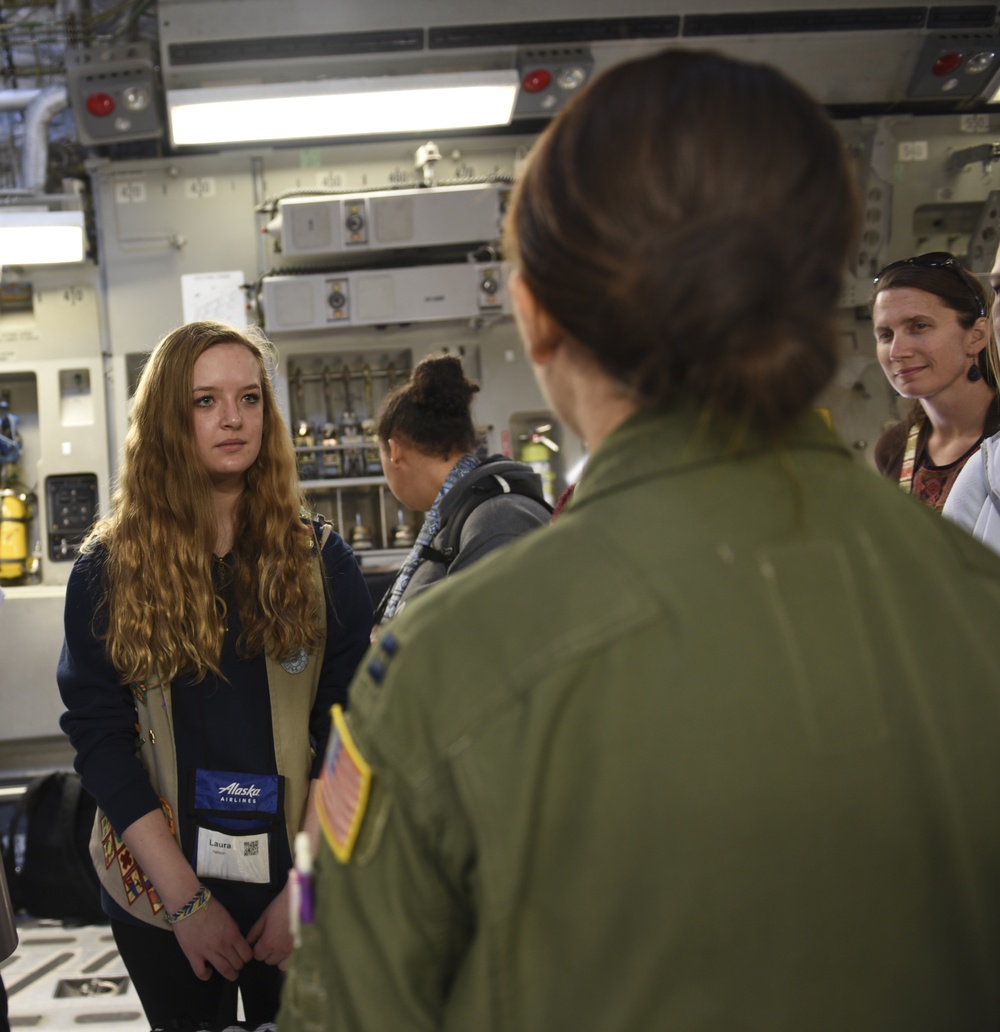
x=41, y=237
x=341, y=107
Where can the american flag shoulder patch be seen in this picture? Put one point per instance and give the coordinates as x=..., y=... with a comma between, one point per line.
x=344, y=785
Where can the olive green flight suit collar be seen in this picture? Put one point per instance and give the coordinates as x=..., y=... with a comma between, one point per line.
x=687, y=439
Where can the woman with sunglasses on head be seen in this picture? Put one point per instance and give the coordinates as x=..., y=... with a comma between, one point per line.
x=935, y=344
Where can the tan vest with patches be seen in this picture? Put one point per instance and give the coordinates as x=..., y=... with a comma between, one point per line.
x=292, y=697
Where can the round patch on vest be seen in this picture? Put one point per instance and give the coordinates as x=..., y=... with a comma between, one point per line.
x=297, y=663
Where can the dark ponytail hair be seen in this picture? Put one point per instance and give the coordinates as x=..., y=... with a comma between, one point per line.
x=688, y=219
x=433, y=409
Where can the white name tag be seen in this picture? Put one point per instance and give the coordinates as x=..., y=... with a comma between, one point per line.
x=243, y=858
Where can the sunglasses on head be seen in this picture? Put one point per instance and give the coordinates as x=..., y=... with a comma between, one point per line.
x=938, y=260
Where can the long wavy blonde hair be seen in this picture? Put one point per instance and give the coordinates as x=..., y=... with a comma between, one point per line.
x=163, y=617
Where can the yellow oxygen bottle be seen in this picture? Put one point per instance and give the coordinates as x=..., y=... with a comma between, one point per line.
x=17, y=502
x=15, y=515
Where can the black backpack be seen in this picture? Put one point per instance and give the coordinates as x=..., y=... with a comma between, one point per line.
x=46, y=853
x=499, y=476
x=495, y=476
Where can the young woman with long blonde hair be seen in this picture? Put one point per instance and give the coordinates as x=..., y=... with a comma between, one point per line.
x=209, y=629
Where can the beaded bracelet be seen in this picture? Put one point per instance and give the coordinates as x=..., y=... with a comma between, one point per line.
x=197, y=902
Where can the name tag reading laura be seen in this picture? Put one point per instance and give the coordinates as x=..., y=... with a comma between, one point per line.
x=244, y=858
x=235, y=815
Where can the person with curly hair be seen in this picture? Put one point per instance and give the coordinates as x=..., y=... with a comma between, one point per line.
x=209, y=628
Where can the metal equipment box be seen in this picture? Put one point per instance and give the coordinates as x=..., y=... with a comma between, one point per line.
x=381, y=297
x=387, y=219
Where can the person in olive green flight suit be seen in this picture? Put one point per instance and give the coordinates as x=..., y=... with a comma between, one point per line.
x=706, y=754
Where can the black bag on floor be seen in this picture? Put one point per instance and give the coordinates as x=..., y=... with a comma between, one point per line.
x=47, y=852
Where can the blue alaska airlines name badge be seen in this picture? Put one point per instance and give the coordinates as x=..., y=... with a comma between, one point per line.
x=233, y=794
x=235, y=815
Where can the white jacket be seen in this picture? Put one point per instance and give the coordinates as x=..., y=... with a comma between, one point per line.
x=974, y=501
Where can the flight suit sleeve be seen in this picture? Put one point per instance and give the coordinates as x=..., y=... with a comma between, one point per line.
x=392, y=906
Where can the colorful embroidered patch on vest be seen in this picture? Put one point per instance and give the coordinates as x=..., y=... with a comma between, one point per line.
x=168, y=816
x=343, y=789
x=137, y=885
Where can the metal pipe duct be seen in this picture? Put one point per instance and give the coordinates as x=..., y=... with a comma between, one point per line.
x=37, y=117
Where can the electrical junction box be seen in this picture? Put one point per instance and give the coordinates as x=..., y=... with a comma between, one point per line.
x=72, y=508
x=433, y=216
x=114, y=92
x=378, y=297
x=956, y=66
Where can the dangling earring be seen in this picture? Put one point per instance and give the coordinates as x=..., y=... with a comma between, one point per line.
x=974, y=373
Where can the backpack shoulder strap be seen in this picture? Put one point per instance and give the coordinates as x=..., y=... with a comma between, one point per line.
x=320, y=539
x=508, y=477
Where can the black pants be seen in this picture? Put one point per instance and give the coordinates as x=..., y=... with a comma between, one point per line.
x=173, y=996
x=4, y=1026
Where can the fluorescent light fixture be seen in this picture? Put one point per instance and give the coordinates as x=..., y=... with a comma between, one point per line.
x=41, y=237
x=341, y=107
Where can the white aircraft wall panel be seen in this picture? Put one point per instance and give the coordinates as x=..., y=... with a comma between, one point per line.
x=943, y=174
x=31, y=634
x=61, y=320
x=62, y=409
x=160, y=221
